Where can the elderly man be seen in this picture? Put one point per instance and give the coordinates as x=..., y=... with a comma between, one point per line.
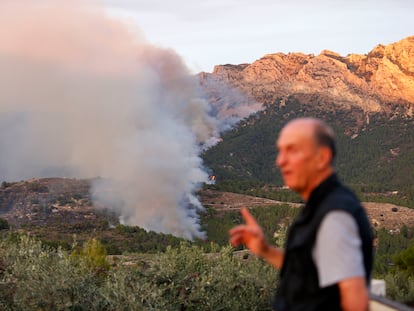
x=327, y=262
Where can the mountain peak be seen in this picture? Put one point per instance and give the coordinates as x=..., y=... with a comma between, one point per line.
x=385, y=74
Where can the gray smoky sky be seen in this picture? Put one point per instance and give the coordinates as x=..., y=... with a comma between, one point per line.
x=84, y=95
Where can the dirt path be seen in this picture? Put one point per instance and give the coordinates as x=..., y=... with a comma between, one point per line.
x=382, y=215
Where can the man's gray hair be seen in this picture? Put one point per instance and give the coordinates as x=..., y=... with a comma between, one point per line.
x=325, y=136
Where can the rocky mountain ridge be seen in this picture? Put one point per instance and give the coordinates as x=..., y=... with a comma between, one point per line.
x=384, y=75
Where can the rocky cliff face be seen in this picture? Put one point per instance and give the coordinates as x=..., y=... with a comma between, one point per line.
x=384, y=75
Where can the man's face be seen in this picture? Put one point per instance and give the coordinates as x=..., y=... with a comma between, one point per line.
x=297, y=157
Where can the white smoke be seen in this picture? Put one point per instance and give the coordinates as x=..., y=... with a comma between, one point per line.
x=83, y=95
x=228, y=104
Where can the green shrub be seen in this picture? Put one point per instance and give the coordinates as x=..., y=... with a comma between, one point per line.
x=188, y=279
x=45, y=279
x=405, y=260
x=400, y=287
x=93, y=255
x=4, y=225
x=35, y=277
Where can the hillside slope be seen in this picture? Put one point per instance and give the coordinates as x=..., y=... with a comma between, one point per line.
x=375, y=151
x=62, y=206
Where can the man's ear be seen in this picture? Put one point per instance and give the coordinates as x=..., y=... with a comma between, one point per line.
x=324, y=157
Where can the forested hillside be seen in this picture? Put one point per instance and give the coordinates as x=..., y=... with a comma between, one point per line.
x=375, y=150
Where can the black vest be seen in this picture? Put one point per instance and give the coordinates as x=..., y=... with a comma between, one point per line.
x=299, y=285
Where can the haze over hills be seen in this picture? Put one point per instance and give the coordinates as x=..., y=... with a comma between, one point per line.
x=367, y=98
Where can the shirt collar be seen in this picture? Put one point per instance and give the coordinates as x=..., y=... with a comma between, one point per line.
x=322, y=190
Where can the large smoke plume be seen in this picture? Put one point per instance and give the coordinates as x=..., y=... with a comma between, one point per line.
x=84, y=95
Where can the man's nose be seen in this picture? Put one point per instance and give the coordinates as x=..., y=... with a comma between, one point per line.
x=280, y=159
